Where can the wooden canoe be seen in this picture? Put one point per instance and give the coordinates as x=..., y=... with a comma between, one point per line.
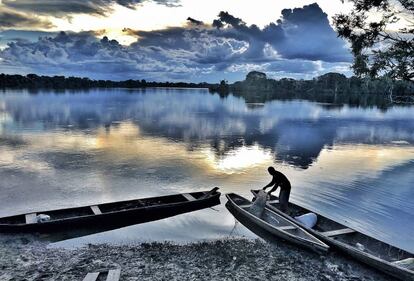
x=120, y=213
x=366, y=249
x=274, y=224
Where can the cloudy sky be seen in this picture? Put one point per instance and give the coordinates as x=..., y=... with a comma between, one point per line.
x=175, y=40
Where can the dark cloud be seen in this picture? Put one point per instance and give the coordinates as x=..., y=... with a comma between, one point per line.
x=314, y=39
x=301, y=43
x=13, y=19
x=12, y=35
x=82, y=54
x=194, y=21
x=301, y=33
x=63, y=8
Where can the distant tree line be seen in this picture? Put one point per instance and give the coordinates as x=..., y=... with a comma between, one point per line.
x=330, y=87
x=62, y=82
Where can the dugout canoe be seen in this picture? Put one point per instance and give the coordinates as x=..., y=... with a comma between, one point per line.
x=364, y=248
x=117, y=213
x=274, y=224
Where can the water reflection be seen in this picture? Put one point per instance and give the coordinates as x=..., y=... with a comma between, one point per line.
x=296, y=130
x=354, y=164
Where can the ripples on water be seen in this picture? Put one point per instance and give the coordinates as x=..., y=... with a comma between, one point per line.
x=355, y=165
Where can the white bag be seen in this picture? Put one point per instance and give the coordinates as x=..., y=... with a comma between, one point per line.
x=309, y=220
x=259, y=204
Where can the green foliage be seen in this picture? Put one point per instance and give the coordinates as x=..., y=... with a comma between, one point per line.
x=330, y=88
x=377, y=49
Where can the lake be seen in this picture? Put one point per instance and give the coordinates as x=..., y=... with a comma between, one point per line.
x=73, y=148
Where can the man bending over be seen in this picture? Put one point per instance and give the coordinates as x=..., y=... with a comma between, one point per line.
x=281, y=180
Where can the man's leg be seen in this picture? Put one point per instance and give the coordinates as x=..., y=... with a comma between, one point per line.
x=284, y=199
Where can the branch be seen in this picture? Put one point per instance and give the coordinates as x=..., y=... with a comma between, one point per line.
x=386, y=35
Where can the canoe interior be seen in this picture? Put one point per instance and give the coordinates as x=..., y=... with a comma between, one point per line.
x=120, y=206
x=274, y=219
x=356, y=239
x=104, y=208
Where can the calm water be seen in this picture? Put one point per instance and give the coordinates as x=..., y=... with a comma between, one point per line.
x=58, y=150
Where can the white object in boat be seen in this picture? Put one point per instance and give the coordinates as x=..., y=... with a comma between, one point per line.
x=309, y=220
x=360, y=246
x=259, y=204
x=42, y=218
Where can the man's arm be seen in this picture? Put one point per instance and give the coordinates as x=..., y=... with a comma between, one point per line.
x=269, y=185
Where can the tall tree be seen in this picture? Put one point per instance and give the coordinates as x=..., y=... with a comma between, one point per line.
x=381, y=34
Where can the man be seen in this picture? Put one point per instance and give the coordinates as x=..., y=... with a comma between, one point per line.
x=281, y=180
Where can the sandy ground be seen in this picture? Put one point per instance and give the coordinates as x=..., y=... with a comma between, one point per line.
x=25, y=258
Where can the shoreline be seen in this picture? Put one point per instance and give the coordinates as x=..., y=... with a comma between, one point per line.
x=27, y=258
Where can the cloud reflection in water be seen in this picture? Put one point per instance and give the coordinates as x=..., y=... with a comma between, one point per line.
x=106, y=145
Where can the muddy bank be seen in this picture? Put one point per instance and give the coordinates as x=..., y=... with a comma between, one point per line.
x=22, y=258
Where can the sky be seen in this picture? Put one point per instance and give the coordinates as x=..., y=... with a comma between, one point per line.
x=172, y=40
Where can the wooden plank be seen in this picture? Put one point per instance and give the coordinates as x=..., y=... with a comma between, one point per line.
x=31, y=218
x=91, y=276
x=113, y=275
x=338, y=232
x=96, y=210
x=189, y=197
x=287, y=227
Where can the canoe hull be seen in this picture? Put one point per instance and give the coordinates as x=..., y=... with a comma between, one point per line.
x=118, y=218
x=244, y=216
x=369, y=259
